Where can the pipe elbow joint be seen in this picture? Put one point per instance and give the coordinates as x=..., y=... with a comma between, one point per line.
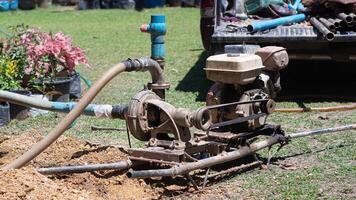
x=146, y=64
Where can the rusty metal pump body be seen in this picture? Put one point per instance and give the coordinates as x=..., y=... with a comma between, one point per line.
x=237, y=107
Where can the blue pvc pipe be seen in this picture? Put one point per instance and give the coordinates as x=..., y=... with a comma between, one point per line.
x=273, y=23
x=298, y=5
x=66, y=107
x=157, y=29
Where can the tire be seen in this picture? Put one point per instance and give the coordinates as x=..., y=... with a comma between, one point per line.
x=206, y=31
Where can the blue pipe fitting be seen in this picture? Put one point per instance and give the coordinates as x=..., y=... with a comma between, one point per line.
x=157, y=29
x=273, y=23
x=68, y=106
x=298, y=5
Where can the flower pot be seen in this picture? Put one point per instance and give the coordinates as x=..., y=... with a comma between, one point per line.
x=4, y=113
x=75, y=89
x=27, y=4
x=17, y=111
x=57, y=89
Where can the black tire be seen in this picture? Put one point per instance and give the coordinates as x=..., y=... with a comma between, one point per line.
x=206, y=31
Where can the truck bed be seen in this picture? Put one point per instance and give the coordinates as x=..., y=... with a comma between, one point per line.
x=237, y=33
x=293, y=37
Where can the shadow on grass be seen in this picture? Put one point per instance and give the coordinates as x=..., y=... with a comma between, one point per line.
x=280, y=158
x=179, y=185
x=318, y=81
x=302, y=81
x=195, y=80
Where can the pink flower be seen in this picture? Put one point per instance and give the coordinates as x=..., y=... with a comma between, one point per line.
x=28, y=70
x=44, y=51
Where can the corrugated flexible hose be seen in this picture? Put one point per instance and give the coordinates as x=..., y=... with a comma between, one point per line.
x=68, y=119
x=141, y=64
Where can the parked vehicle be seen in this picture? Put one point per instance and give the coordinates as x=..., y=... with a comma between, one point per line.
x=302, y=40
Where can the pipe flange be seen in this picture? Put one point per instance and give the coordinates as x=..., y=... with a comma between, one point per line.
x=201, y=119
x=138, y=117
x=269, y=107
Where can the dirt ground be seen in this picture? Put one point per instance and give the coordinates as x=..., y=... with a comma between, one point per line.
x=27, y=183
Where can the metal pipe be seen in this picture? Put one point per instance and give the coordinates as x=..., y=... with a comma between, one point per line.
x=121, y=165
x=347, y=18
x=328, y=35
x=208, y=162
x=99, y=128
x=329, y=25
x=353, y=17
x=273, y=23
x=336, y=22
x=322, y=131
x=143, y=64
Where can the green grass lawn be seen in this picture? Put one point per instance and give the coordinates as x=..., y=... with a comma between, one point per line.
x=326, y=167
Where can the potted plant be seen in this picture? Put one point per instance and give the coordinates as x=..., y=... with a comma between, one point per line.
x=12, y=62
x=51, y=61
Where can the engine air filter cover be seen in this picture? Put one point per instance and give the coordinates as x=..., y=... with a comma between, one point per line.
x=234, y=68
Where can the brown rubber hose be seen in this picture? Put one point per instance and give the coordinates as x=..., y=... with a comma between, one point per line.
x=67, y=120
x=321, y=109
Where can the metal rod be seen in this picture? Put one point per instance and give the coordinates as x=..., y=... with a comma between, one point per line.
x=99, y=128
x=195, y=185
x=327, y=34
x=322, y=131
x=185, y=168
x=121, y=165
x=206, y=177
x=128, y=134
